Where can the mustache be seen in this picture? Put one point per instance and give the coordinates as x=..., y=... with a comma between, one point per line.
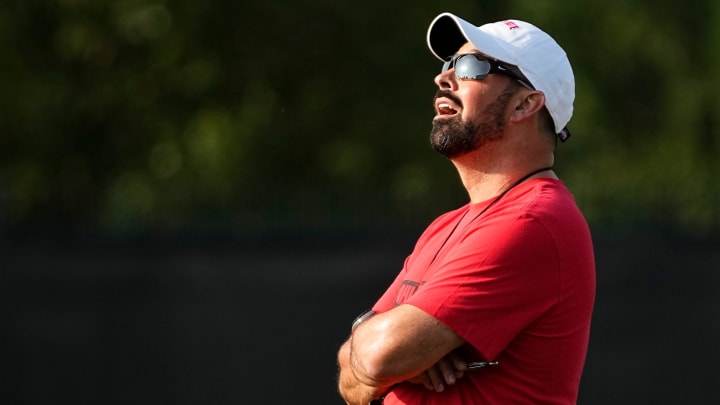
x=447, y=94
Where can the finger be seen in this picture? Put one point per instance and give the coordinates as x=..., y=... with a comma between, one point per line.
x=447, y=370
x=436, y=379
x=458, y=362
x=426, y=381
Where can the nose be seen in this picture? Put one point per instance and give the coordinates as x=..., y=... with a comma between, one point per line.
x=446, y=80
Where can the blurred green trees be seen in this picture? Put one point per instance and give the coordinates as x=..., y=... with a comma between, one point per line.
x=179, y=115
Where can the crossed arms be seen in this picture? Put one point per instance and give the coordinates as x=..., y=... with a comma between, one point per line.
x=404, y=344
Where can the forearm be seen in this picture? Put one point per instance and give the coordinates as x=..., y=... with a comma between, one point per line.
x=353, y=391
x=398, y=345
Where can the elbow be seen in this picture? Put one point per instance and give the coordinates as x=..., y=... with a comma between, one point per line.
x=372, y=372
x=372, y=366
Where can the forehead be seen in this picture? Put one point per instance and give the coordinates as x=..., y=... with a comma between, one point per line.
x=467, y=48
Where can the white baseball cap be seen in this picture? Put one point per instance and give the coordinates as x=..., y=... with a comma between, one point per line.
x=540, y=59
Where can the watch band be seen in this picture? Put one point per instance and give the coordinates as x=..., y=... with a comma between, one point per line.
x=362, y=318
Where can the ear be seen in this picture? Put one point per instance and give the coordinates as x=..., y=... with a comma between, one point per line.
x=528, y=105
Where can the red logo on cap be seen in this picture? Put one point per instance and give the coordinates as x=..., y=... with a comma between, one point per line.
x=511, y=24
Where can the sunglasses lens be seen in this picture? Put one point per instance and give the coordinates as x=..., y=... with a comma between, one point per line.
x=470, y=67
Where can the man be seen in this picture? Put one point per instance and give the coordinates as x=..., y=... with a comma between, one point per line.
x=493, y=306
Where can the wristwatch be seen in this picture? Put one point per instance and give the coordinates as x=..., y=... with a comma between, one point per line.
x=362, y=318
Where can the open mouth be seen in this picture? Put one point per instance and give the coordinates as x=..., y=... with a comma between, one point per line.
x=445, y=108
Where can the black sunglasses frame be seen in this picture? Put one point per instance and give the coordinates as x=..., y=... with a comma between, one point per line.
x=488, y=66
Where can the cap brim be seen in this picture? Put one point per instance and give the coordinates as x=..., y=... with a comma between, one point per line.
x=448, y=32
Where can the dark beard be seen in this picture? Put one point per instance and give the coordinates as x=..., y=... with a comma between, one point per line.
x=453, y=138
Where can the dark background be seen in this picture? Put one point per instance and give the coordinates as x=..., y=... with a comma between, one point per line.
x=221, y=322
x=197, y=198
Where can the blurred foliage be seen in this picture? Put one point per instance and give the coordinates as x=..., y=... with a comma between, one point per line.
x=181, y=115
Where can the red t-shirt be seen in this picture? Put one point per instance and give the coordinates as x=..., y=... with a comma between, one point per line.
x=518, y=284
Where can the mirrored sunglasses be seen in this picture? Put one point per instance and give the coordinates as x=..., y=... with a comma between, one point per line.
x=475, y=66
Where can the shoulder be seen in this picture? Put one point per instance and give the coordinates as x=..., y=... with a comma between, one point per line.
x=543, y=199
x=540, y=213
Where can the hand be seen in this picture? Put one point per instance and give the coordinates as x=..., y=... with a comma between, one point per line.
x=448, y=371
x=353, y=391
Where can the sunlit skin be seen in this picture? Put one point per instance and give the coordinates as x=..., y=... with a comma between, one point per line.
x=485, y=172
x=453, y=137
x=405, y=344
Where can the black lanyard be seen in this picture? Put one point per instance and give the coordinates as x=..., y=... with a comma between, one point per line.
x=525, y=177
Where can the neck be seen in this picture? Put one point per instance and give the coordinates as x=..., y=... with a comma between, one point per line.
x=484, y=179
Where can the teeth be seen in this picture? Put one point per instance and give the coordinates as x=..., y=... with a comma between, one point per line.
x=446, y=108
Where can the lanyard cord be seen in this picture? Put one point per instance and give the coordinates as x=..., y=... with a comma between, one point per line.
x=487, y=207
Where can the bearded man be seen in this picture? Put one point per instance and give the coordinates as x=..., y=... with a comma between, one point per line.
x=493, y=306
